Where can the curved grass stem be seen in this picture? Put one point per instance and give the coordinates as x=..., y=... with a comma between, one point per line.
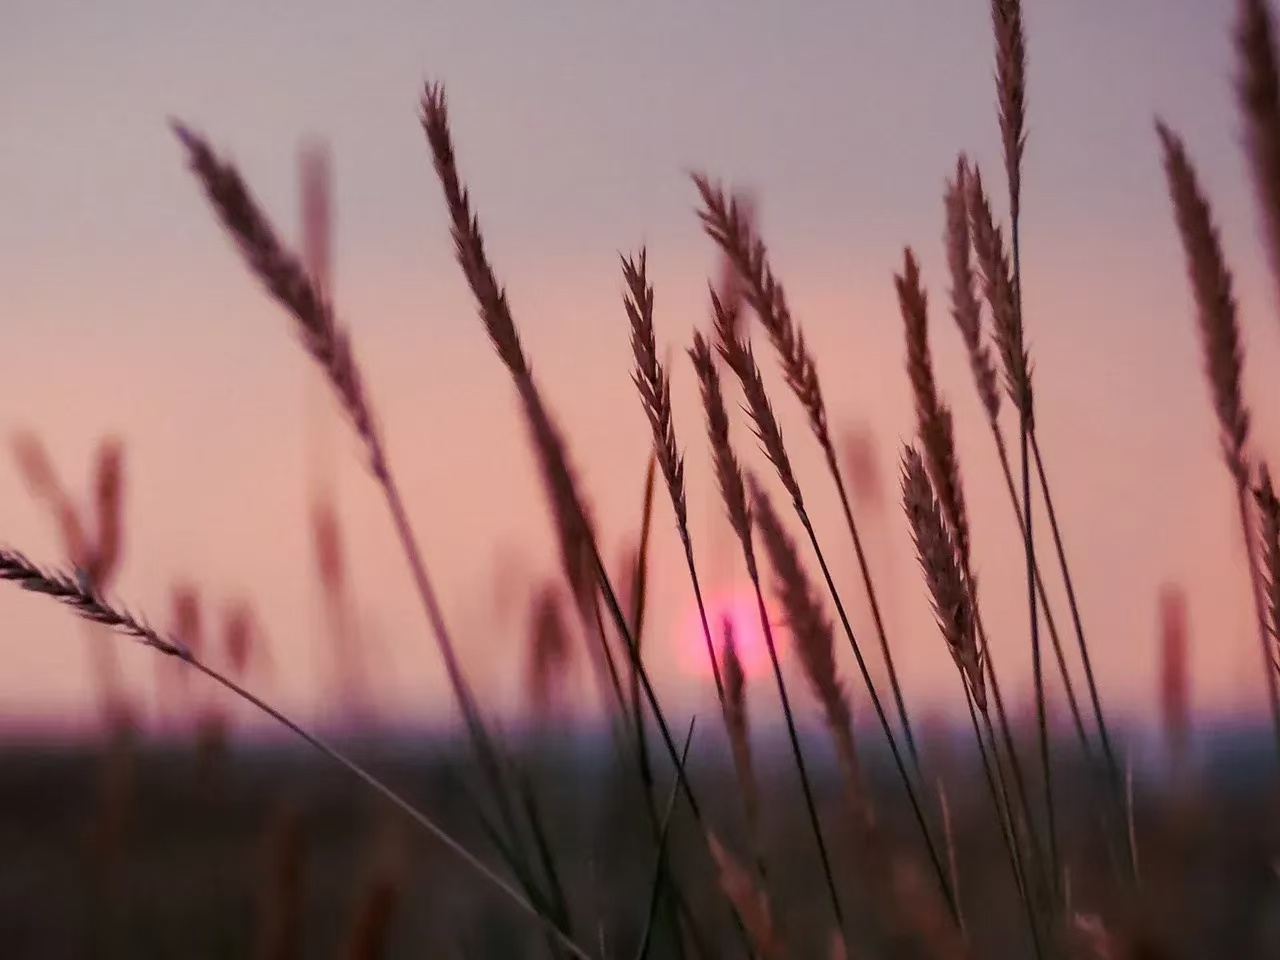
x=935, y=857
x=864, y=568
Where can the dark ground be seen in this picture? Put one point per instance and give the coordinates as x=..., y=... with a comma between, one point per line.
x=269, y=851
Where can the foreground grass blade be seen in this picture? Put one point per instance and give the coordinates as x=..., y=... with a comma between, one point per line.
x=659, y=870
x=70, y=591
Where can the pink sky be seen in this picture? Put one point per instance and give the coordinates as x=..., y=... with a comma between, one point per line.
x=125, y=309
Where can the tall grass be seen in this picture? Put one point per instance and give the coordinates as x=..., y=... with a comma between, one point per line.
x=905, y=887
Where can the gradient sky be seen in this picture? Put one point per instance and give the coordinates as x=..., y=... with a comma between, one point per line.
x=125, y=309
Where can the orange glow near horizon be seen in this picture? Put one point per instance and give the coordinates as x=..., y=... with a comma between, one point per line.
x=735, y=605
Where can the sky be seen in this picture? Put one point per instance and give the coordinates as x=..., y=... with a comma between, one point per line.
x=126, y=311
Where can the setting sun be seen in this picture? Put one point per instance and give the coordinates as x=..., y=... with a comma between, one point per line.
x=735, y=603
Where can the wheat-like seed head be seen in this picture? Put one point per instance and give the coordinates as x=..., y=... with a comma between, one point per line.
x=1215, y=303
x=862, y=466
x=570, y=515
x=1258, y=89
x=572, y=518
x=730, y=225
x=741, y=360
x=467, y=238
x=241, y=635
x=284, y=276
x=108, y=495
x=188, y=624
x=943, y=573
x=737, y=725
x=36, y=467
x=83, y=600
x=809, y=626
x=933, y=417
x=574, y=526
x=573, y=523
x=95, y=555
x=997, y=285
x=728, y=471
x=731, y=289
x=187, y=627
x=964, y=302
x=549, y=648
x=1269, y=534
x=654, y=384
x=43, y=483
x=1011, y=86
x=1174, y=677
x=317, y=215
x=635, y=576
x=326, y=542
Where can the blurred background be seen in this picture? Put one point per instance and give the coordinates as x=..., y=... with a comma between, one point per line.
x=156, y=407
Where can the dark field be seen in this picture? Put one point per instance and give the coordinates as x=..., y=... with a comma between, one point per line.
x=266, y=851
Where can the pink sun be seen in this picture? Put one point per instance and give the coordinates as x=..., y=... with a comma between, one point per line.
x=738, y=606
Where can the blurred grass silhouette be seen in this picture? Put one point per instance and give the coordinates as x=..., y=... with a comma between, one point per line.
x=907, y=839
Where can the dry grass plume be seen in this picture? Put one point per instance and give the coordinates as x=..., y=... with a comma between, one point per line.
x=933, y=416
x=811, y=634
x=943, y=573
x=1258, y=91
x=1215, y=302
x=1000, y=293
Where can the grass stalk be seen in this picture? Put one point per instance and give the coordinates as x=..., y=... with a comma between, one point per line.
x=1112, y=767
x=740, y=358
x=659, y=868
x=1223, y=358
x=654, y=386
x=729, y=222
x=1042, y=717
x=741, y=516
x=286, y=279
x=935, y=858
x=67, y=590
x=583, y=563
x=811, y=810
x=997, y=788
x=639, y=597
x=877, y=618
x=1011, y=82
